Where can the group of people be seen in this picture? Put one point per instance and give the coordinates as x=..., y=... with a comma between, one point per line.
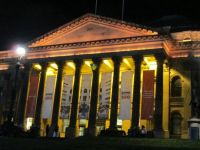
x=138, y=132
x=55, y=132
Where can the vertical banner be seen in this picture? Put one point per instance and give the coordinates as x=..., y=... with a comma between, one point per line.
x=125, y=95
x=47, y=106
x=147, y=95
x=85, y=96
x=104, y=96
x=32, y=96
x=66, y=97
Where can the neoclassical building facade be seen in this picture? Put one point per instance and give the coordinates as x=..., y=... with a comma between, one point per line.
x=97, y=73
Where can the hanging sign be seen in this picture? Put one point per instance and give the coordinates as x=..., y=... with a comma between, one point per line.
x=104, y=96
x=147, y=95
x=47, y=106
x=125, y=95
x=66, y=97
x=84, y=105
x=32, y=97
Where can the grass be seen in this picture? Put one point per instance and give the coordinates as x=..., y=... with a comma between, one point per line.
x=98, y=143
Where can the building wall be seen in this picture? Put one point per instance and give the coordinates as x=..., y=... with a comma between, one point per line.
x=181, y=104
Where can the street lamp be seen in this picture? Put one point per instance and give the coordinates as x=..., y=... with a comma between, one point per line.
x=20, y=53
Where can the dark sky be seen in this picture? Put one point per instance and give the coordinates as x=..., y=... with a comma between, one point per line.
x=22, y=21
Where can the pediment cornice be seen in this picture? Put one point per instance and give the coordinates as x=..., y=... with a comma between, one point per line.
x=90, y=18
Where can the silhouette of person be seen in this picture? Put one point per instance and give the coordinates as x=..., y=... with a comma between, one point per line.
x=47, y=130
x=143, y=131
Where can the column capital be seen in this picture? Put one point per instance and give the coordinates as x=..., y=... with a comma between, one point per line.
x=60, y=64
x=160, y=57
x=44, y=65
x=96, y=64
x=78, y=62
x=117, y=60
x=97, y=60
x=137, y=58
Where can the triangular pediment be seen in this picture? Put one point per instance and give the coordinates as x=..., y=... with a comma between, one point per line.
x=91, y=28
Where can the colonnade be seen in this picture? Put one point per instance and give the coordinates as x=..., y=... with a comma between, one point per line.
x=136, y=94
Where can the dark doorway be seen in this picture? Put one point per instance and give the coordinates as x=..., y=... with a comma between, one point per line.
x=176, y=119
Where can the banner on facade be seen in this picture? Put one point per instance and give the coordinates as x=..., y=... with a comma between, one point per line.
x=32, y=96
x=48, y=100
x=147, y=95
x=85, y=96
x=66, y=97
x=125, y=95
x=104, y=95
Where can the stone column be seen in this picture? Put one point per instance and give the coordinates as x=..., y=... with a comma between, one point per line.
x=158, y=116
x=6, y=94
x=12, y=109
x=136, y=92
x=57, y=96
x=40, y=95
x=94, y=97
x=22, y=100
x=115, y=94
x=2, y=90
x=71, y=130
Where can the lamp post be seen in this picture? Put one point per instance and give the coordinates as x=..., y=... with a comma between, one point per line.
x=20, y=53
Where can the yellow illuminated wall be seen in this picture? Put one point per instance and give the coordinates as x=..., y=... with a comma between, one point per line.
x=181, y=104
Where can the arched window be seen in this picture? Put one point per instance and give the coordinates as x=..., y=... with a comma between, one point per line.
x=176, y=87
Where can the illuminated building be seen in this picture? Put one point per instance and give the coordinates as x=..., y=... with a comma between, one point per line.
x=95, y=73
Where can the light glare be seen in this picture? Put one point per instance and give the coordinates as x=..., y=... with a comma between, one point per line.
x=21, y=51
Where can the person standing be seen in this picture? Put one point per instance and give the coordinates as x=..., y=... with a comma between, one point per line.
x=143, y=131
x=47, y=130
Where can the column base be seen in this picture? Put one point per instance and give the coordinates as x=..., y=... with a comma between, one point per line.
x=134, y=132
x=158, y=133
x=166, y=134
x=113, y=133
x=35, y=131
x=70, y=132
x=51, y=130
x=90, y=131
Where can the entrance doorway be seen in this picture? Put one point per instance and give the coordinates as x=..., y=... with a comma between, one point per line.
x=176, y=119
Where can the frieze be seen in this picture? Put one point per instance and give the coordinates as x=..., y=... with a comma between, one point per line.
x=191, y=45
x=102, y=42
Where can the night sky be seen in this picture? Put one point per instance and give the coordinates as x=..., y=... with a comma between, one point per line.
x=22, y=21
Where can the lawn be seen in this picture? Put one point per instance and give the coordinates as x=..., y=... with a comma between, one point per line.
x=98, y=143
